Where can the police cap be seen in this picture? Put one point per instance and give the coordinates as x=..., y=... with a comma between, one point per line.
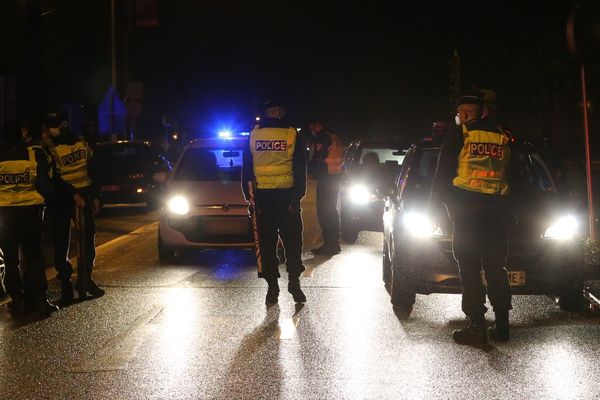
x=54, y=118
x=469, y=98
x=272, y=104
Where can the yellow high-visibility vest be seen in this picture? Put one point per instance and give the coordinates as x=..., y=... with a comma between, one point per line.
x=17, y=182
x=483, y=161
x=72, y=162
x=272, y=152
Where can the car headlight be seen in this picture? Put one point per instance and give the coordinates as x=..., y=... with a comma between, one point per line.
x=419, y=225
x=563, y=228
x=360, y=194
x=178, y=205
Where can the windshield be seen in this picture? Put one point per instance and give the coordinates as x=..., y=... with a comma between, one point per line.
x=380, y=156
x=223, y=165
x=528, y=173
x=122, y=155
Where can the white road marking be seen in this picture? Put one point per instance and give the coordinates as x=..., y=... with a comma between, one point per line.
x=119, y=351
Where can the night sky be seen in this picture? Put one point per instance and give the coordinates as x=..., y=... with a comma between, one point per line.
x=369, y=69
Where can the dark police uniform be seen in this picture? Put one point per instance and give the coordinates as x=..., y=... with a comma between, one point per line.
x=74, y=171
x=325, y=167
x=24, y=182
x=275, y=165
x=474, y=162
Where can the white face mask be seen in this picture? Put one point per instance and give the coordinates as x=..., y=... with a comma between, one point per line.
x=457, y=120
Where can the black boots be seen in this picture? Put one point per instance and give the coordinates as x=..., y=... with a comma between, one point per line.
x=500, y=332
x=327, y=249
x=474, y=334
x=294, y=289
x=95, y=290
x=272, y=292
x=66, y=290
x=44, y=307
x=20, y=306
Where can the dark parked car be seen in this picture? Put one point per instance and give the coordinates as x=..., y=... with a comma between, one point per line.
x=545, y=250
x=131, y=172
x=369, y=170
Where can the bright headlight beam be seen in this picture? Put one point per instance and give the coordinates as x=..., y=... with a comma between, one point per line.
x=178, y=205
x=419, y=225
x=563, y=228
x=360, y=194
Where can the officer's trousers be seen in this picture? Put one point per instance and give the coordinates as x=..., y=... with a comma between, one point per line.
x=479, y=240
x=21, y=227
x=63, y=213
x=328, y=188
x=279, y=215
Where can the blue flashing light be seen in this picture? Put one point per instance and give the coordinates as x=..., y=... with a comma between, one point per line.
x=244, y=133
x=225, y=134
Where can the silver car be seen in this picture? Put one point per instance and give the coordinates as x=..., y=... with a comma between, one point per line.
x=204, y=206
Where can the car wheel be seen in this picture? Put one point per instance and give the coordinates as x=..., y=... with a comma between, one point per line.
x=386, y=265
x=571, y=297
x=402, y=296
x=165, y=253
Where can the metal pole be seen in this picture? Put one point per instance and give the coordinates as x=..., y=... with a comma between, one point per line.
x=588, y=161
x=113, y=44
x=114, y=65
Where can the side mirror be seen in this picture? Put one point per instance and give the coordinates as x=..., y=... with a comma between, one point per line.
x=160, y=177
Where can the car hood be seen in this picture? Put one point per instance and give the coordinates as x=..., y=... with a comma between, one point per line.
x=205, y=193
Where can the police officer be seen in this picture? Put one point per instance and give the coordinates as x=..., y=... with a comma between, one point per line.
x=24, y=182
x=473, y=166
x=325, y=166
x=74, y=188
x=274, y=180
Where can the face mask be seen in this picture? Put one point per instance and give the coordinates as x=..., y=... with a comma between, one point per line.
x=54, y=132
x=457, y=120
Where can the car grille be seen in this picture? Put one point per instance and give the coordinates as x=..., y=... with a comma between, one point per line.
x=214, y=229
x=519, y=253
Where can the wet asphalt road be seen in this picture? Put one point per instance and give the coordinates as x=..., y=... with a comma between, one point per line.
x=199, y=329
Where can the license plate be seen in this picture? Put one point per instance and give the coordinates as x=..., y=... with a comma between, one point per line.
x=515, y=278
x=111, y=188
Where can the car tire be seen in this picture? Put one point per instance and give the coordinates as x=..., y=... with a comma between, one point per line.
x=165, y=253
x=571, y=297
x=402, y=296
x=386, y=266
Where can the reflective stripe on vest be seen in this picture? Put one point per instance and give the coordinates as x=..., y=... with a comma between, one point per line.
x=71, y=162
x=334, y=155
x=17, y=182
x=272, y=152
x=482, y=162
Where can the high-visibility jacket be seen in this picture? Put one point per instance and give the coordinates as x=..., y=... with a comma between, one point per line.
x=483, y=162
x=335, y=155
x=72, y=163
x=17, y=182
x=272, y=152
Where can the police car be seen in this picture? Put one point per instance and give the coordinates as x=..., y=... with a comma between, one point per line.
x=545, y=246
x=204, y=206
x=369, y=169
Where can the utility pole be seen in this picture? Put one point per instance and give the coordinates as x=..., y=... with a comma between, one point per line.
x=454, y=77
x=114, y=65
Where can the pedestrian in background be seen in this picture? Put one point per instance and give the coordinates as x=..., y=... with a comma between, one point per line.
x=325, y=167
x=274, y=183
x=75, y=187
x=24, y=185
